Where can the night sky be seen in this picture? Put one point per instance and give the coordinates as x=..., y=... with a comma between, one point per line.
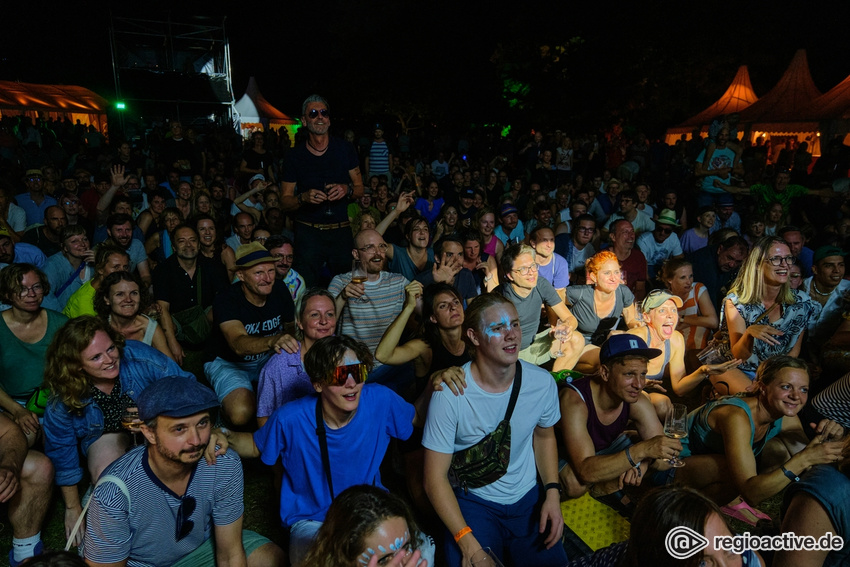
x=653, y=62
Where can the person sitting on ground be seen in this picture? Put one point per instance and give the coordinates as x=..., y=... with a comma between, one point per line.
x=528, y=292
x=255, y=317
x=661, y=244
x=131, y=517
x=763, y=315
x=93, y=377
x=595, y=412
x=26, y=484
x=332, y=440
x=697, y=316
x=726, y=436
x=283, y=378
x=69, y=269
x=506, y=510
x=26, y=329
x=107, y=259
x=660, y=314
x=121, y=303
x=367, y=526
x=600, y=307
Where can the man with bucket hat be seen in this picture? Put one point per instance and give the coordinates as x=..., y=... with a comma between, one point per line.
x=163, y=504
x=256, y=317
x=662, y=243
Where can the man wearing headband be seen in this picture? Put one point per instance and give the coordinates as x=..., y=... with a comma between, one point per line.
x=162, y=503
x=256, y=318
x=332, y=440
x=326, y=173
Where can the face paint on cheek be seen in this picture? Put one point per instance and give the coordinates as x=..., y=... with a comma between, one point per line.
x=498, y=328
x=400, y=542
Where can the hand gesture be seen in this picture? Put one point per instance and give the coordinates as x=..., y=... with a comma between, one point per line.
x=654, y=385
x=404, y=201
x=448, y=268
x=715, y=369
x=118, y=177
x=412, y=291
x=765, y=333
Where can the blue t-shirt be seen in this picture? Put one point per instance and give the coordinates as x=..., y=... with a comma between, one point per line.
x=355, y=450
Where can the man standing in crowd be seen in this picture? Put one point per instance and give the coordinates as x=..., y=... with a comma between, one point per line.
x=34, y=202
x=256, y=318
x=380, y=158
x=326, y=173
x=47, y=236
x=163, y=504
x=481, y=512
x=716, y=175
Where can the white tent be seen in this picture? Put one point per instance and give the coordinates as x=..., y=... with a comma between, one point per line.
x=256, y=113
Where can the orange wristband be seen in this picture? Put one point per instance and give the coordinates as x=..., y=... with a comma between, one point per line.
x=463, y=532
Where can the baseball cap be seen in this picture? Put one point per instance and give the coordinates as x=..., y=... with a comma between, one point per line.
x=467, y=193
x=625, y=345
x=259, y=177
x=725, y=200
x=34, y=172
x=251, y=254
x=826, y=252
x=657, y=298
x=4, y=232
x=175, y=396
x=507, y=209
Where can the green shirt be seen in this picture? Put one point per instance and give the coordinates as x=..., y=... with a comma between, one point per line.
x=22, y=364
x=81, y=302
x=766, y=195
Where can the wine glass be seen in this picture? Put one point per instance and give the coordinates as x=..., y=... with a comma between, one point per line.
x=561, y=334
x=485, y=557
x=359, y=275
x=676, y=427
x=131, y=422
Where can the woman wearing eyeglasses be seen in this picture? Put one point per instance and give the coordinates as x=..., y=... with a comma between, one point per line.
x=332, y=440
x=26, y=330
x=763, y=315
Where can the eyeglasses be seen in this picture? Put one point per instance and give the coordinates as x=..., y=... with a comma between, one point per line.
x=585, y=229
x=525, y=270
x=314, y=113
x=371, y=248
x=341, y=373
x=665, y=229
x=777, y=260
x=289, y=257
x=184, y=512
x=36, y=289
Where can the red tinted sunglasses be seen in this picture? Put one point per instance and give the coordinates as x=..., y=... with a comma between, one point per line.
x=341, y=373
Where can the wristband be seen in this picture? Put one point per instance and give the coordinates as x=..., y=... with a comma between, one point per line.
x=631, y=461
x=791, y=476
x=552, y=486
x=462, y=532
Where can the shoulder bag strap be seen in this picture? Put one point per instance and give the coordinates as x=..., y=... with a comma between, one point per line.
x=108, y=478
x=323, y=443
x=68, y=282
x=514, y=391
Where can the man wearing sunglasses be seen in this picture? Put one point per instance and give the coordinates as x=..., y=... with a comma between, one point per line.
x=34, y=202
x=662, y=243
x=163, y=503
x=319, y=179
x=332, y=440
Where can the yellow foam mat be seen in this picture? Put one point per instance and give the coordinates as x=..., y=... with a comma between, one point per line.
x=595, y=523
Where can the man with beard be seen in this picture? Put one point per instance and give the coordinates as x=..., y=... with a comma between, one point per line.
x=185, y=285
x=119, y=227
x=162, y=503
x=368, y=307
x=326, y=173
x=256, y=318
x=47, y=236
x=576, y=247
x=283, y=252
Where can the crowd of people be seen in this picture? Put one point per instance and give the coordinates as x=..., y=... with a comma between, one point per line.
x=499, y=324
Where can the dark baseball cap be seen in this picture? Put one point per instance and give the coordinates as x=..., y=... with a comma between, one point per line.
x=625, y=345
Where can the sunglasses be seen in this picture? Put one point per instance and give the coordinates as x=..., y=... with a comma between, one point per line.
x=314, y=113
x=665, y=230
x=341, y=373
x=184, y=512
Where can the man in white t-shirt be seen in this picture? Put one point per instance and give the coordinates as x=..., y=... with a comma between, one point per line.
x=515, y=503
x=662, y=243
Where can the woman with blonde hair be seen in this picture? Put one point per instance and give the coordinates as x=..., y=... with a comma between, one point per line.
x=93, y=377
x=764, y=317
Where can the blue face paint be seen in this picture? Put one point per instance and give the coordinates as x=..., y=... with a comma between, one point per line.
x=382, y=549
x=497, y=329
x=400, y=542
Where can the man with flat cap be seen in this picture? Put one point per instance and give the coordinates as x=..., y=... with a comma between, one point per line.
x=162, y=504
x=594, y=414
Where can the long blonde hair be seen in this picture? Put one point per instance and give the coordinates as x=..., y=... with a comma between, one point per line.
x=63, y=370
x=749, y=285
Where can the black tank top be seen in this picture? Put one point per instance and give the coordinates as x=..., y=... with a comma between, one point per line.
x=441, y=358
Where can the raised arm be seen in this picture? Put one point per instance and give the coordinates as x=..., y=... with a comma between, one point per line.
x=389, y=351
